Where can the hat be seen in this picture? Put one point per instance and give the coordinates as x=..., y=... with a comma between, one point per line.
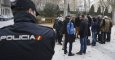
x=105, y=17
x=24, y=4
x=68, y=16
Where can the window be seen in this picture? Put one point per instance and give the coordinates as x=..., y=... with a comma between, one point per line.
x=2, y=1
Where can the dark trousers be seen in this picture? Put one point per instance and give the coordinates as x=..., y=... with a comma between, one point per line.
x=83, y=42
x=68, y=39
x=99, y=36
x=108, y=34
x=103, y=38
x=59, y=37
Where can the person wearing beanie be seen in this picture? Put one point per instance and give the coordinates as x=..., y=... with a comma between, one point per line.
x=26, y=40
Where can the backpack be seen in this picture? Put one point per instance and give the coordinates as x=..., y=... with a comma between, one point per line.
x=70, y=28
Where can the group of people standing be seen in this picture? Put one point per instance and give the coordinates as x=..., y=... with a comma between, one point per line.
x=81, y=27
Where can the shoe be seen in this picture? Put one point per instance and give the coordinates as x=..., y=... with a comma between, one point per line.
x=71, y=54
x=84, y=52
x=93, y=44
x=107, y=41
x=65, y=52
x=97, y=41
x=60, y=43
x=79, y=53
x=62, y=48
x=101, y=42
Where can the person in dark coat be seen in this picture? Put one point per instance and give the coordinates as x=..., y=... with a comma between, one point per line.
x=89, y=24
x=94, y=27
x=68, y=38
x=77, y=23
x=58, y=27
x=83, y=35
x=99, y=19
x=89, y=31
x=26, y=40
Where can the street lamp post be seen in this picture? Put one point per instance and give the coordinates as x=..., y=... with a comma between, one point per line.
x=85, y=6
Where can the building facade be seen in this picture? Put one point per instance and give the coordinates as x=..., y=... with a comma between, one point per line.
x=6, y=12
x=103, y=4
x=5, y=8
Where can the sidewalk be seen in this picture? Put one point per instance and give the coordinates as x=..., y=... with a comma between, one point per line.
x=48, y=24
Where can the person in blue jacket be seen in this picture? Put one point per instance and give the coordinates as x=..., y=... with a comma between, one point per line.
x=69, y=38
x=26, y=40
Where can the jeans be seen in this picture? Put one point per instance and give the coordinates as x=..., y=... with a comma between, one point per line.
x=83, y=42
x=94, y=37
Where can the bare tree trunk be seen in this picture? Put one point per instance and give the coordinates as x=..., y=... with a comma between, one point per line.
x=65, y=7
x=113, y=15
x=85, y=6
x=103, y=11
x=113, y=11
x=89, y=5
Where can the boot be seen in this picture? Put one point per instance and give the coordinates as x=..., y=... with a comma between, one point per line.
x=71, y=54
x=79, y=53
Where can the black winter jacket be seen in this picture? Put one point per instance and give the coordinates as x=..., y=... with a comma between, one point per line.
x=83, y=28
x=26, y=40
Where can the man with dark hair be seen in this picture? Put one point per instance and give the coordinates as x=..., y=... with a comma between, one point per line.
x=26, y=40
x=68, y=26
x=94, y=27
x=83, y=35
x=77, y=23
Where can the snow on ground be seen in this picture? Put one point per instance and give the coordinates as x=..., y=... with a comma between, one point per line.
x=99, y=52
x=6, y=23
